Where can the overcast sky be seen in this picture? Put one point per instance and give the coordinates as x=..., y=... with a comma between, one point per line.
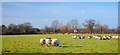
x=40, y=14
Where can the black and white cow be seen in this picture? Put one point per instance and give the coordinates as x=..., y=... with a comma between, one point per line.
x=89, y=37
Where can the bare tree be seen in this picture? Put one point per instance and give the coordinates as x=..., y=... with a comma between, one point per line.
x=85, y=30
x=105, y=28
x=117, y=30
x=73, y=24
x=46, y=28
x=98, y=28
x=90, y=24
x=63, y=29
x=56, y=25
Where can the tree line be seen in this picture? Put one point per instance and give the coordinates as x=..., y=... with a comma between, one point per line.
x=25, y=28
x=89, y=26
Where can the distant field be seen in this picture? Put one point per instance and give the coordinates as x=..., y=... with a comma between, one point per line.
x=30, y=44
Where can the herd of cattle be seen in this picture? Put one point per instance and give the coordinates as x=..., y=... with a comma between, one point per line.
x=56, y=42
x=96, y=37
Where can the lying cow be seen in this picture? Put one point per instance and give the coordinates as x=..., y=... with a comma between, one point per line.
x=49, y=42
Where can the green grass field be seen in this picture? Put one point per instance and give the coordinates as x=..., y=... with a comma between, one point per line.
x=30, y=44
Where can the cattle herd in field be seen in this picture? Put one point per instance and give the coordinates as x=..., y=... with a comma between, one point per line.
x=56, y=42
x=95, y=37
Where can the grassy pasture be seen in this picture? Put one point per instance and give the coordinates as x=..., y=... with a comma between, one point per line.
x=30, y=44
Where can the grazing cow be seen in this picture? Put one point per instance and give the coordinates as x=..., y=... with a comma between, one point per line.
x=95, y=37
x=55, y=42
x=116, y=36
x=80, y=37
x=104, y=38
x=75, y=36
x=89, y=37
x=109, y=37
x=83, y=37
x=113, y=36
x=100, y=37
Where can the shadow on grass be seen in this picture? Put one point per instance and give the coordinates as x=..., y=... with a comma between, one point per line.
x=70, y=46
